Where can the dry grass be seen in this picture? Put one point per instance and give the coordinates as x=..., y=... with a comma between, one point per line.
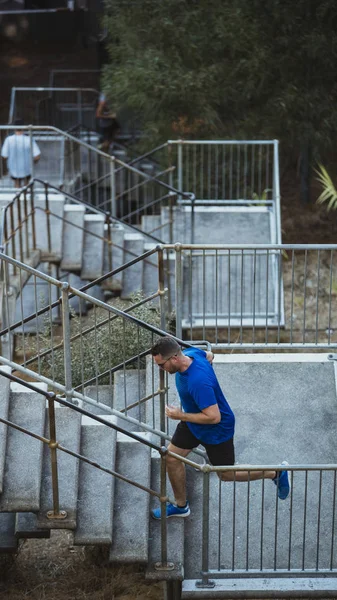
x=56, y=570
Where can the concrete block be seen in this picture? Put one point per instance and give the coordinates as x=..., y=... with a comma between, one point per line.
x=8, y=541
x=129, y=388
x=133, y=276
x=114, y=257
x=93, y=246
x=37, y=294
x=4, y=406
x=96, y=488
x=68, y=431
x=26, y=527
x=100, y=393
x=22, y=477
x=131, y=512
x=72, y=243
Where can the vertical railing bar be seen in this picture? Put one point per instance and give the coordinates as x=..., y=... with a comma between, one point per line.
x=178, y=290
x=279, y=295
x=163, y=520
x=209, y=174
x=330, y=296
x=292, y=295
x=231, y=173
x=304, y=293
x=219, y=523
x=275, y=536
x=110, y=354
x=223, y=196
x=7, y=289
x=262, y=525
x=22, y=319
x=229, y=298
x=202, y=172
x=267, y=297
x=234, y=522
x=254, y=293
x=124, y=368
x=11, y=213
x=25, y=210
x=247, y=519
x=205, y=528
x=241, y=297
x=333, y=519
x=216, y=294
x=190, y=296
x=238, y=172
x=304, y=519
x=53, y=455
x=20, y=227
x=291, y=518
x=260, y=172
x=96, y=347
x=204, y=293
x=245, y=173
x=47, y=211
x=37, y=326
x=51, y=329
x=317, y=292
x=319, y=517
x=139, y=410
x=253, y=169
x=217, y=171
x=66, y=340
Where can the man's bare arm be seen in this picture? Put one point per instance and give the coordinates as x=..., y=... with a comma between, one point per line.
x=208, y=416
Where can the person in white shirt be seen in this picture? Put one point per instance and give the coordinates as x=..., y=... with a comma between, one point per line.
x=20, y=152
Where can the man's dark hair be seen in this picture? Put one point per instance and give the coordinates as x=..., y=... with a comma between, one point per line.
x=18, y=122
x=166, y=346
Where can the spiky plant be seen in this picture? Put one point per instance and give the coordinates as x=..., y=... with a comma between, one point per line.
x=329, y=193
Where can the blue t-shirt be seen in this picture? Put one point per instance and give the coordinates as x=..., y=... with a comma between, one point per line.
x=199, y=388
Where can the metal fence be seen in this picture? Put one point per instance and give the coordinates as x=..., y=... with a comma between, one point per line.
x=57, y=106
x=92, y=176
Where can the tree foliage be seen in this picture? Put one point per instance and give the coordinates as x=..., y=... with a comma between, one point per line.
x=234, y=68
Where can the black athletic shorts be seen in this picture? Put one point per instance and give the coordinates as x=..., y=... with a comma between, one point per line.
x=218, y=454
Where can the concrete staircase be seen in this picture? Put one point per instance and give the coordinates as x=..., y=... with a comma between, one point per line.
x=275, y=402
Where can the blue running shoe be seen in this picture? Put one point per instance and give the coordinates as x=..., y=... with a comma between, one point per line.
x=172, y=510
x=282, y=482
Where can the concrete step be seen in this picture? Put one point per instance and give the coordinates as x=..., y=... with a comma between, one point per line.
x=100, y=393
x=96, y=292
x=8, y=541
x=93, y=247
x=26, y=527
x=4, y=407
x=129, y=388
x=114, y=257
x=150, y=273
x=133, y=276
x=96, y=488
x=73, y=235
x=56, y=207
x=152, y=224
x=131, y=512
x=22, y=477
x=35, y=295
x=175, y=535
x=68, y=432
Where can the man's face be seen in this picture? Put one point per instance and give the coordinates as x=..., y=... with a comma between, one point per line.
x=169, y=365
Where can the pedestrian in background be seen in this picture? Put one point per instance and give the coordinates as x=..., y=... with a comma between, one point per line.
x=20, y=152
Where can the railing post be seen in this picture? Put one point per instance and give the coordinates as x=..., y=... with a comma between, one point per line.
x=161, y=288
x=32, y=164
x=192, y=219
x=163, y=565
x=113, y=207
x=33, y=216
x=53, y=444
x=178, y=290
x=205, y=582
x=48, y=218
x=180, y=166
x=20, y=228
x=66, y=340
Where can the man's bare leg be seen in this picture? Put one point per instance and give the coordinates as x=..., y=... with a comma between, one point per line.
x=246, y=475
x=176, y=474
